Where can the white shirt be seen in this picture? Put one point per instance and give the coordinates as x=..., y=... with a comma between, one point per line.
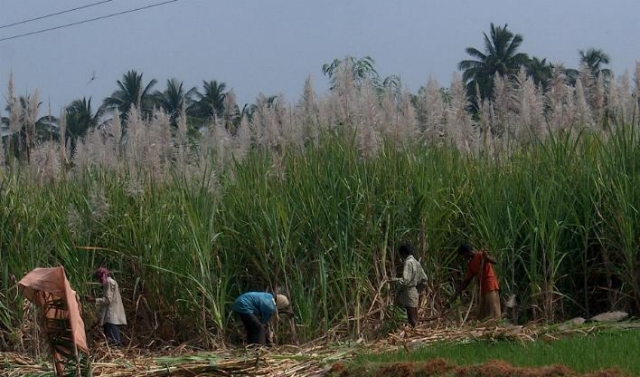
x=112, y=310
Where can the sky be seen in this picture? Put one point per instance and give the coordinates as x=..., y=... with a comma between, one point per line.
x=272, y=46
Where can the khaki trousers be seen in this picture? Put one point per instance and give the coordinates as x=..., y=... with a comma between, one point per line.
x=490, y=306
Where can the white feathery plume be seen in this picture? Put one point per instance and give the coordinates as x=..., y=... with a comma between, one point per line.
x=459, y=130
x=570, y=114
x=116, y=127
x=367, y=120
x=96, y=153
x=259, y=121
x=626, y=99
x=329, y=112
x=181, y=146
x=15, y=107
x=613, y=103
x=112, y=132
x=221, y=139
x=555, y=98
x=484, y=124
x=33, y=106
x=134, y=187
x=387, y=107
x=308, y=103
x=598, y=100
x=584, y=118
x=44, y=163
x=163, y=127
x=309, y=113
x=74, y=221
x=531, y=111
x=229, y=112
x=158, y=132
x=81, y=157
x=434, y=111
x=588, y=81
x=63, y=136
x=136, y=143
x=222, y=142
x=99, y=204
x=504, y=102
x=292, y=128
x=242, y=140
x=30, y=118
x=407, y=120
x=345, y=89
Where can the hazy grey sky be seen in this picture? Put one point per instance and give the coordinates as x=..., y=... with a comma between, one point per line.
x=270, y=47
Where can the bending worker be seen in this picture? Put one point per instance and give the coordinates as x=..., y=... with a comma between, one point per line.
x=256, y=310
x=480, y=263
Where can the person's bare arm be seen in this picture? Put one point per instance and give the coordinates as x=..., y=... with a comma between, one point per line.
x=490, y=258
x=463, y=285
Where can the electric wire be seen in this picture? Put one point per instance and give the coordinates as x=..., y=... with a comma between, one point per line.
x=53, y=14
x=87, y=20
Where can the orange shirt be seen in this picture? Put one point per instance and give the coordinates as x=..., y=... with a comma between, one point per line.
x=488, y=280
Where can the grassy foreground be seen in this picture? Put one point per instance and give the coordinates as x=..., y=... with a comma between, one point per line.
x=608, y=349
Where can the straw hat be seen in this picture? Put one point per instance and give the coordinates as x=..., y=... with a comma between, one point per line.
x=281, y=302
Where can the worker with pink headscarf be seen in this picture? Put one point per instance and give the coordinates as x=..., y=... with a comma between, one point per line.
x=112, y=312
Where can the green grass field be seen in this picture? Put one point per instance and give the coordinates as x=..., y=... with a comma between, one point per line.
x=613, y=348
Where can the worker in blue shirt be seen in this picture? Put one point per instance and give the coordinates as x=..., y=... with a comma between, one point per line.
x=256, y=310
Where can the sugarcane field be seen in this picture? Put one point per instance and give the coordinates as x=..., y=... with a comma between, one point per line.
x=490, y=227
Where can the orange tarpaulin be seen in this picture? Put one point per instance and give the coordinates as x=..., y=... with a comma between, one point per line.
x=43, y=285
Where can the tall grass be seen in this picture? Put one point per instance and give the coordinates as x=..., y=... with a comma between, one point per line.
x=189, y=225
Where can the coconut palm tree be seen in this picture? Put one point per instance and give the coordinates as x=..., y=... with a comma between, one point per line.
x=210, y=103
x=32, y=130
x=174, y=98
x=540, y=71
x=131, y=92
x=361, y=69
x=595, y=60
x=500, y=57
x=80, y=119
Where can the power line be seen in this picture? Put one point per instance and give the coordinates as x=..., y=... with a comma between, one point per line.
x=87, y=20
x=54, y=14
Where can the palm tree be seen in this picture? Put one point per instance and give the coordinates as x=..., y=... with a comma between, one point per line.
x=540, y=71
x=210, y=103
x=595, y=59
x=80, y=119
x=174, y=99
x=500, y=57
x=361, y=69
x=24, y=139
x=131, y=92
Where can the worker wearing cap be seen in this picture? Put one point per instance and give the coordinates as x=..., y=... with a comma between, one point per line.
x=256, y=310
x=112, y=312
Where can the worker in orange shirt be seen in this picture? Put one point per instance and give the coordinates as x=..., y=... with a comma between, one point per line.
x=480, y=263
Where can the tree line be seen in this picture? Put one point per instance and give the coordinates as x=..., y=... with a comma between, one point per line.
x=500, y=57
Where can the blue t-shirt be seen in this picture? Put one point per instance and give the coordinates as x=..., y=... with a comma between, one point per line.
x=258, y=303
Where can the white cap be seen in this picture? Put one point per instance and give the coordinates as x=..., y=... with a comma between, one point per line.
x=281, y=302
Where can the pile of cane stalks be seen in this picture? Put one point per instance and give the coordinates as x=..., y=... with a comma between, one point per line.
x=313, y=359
x=274, y=361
